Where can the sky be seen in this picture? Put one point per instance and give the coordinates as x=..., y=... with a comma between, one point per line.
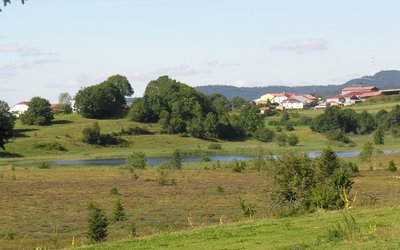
x=50, y=47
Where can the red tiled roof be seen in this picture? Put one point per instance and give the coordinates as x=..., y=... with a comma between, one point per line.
x=22, y=103
x=264, y=108
x=370, y=94
x=335, y=96
x=357, y=89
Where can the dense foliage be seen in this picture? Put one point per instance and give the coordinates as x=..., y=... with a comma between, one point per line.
x=104, y=100
x=302, y=184
x=38, y=113
x=7, y=122
x=180, y=109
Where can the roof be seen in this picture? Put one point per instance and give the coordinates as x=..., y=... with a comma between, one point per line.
x=53, y=105
x=335, y=96
x=370, y=94
x=264, y=108
x=22, y=103
x=358, y=89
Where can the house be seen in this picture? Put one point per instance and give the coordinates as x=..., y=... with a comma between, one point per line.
x=279, y=98
x=263, y=110
x=336, y=99
x=347, y=99
x=293, y=103
x=273, y=98
x=19, y=108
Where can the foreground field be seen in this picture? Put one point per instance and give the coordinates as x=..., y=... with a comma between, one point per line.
x=47, y=207
x=374, y=229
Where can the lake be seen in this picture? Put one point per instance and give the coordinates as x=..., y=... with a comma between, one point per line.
x=158, y=160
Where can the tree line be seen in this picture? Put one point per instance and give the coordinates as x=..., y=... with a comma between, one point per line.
x=337, y=123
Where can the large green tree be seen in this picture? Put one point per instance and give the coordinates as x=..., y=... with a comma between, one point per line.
x=104, y=100
x=7, y=122
x=38, y=113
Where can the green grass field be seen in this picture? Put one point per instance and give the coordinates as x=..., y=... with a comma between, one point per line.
x=47, y=207
x=379, y=229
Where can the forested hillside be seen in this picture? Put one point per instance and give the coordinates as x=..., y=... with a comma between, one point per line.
x=383, y=80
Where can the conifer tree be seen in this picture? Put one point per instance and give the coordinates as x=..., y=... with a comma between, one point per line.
x=97, y=230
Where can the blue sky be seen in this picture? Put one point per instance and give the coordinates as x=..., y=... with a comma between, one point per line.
x=49, y=47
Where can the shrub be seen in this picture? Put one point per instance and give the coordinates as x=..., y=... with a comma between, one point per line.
x=293, y=140
x=137, y=160
x=281, y=140
x=237, y=166
x=278, y=129
x=176, y=160
x=10, y=235
x=326, y=197
x=114, y=191
x=264, y=135
x=338, y=135
x=289, y=127
x=392, y=166
x=162, y=178
x=215, y=146
x=91, y=135
x=135, y=130
x=118, y=211
x=44, y=165
x=304, y=120
x=97, y=229
x=205, y=159
x=220, y=189
x=395, y=132
x=248, y=210
x=379, y=137
x=132, y=230
x=50, y=146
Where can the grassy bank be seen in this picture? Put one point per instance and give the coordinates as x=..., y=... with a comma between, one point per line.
x=67, y=132
x=375, y=229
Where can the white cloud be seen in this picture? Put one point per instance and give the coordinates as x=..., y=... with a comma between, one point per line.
x=10, y=70
x=301, y=46
x=22, y=50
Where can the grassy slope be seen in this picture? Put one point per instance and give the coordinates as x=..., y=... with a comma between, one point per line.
x=379, y=229
x=67, y=130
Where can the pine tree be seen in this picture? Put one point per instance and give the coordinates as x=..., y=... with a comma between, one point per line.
x=177, y=161
x=379, y=137
x=98, y=223
x=328, y=162
x=119, y=214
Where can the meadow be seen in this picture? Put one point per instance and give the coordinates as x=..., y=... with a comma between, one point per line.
x=48, y=207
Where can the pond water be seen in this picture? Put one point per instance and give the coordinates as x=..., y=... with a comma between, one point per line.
x=158, y=160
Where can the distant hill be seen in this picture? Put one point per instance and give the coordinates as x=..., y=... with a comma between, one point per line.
x=383, y=80
x=389, y=79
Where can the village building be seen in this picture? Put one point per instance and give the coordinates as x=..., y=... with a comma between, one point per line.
x=19, y=108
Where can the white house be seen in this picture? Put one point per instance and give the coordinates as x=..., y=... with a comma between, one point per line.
x=19, y=108
x=293, y=103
